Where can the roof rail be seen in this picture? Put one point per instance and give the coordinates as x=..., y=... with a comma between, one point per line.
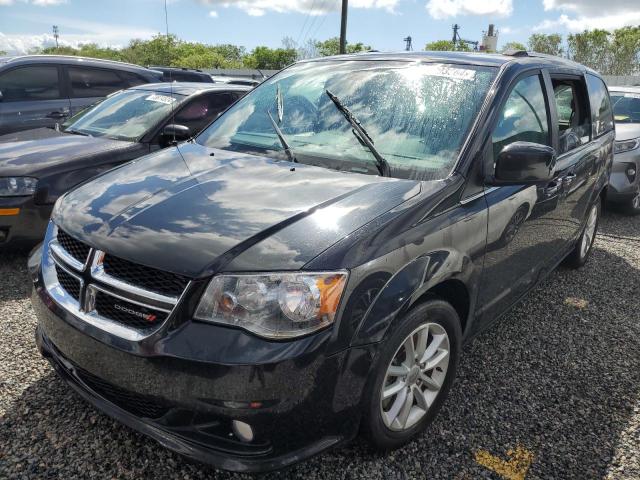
x=516, y=53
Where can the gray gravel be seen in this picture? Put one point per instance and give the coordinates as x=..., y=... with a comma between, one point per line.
x=559, y=376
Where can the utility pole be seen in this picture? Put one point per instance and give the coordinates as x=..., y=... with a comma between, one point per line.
x=55, y=34
x=343, y=27
x=409, y=46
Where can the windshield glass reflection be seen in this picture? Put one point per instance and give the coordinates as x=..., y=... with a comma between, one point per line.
x=417, y=115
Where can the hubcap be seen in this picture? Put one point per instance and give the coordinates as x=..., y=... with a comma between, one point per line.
x=414, y=377
x=636, y=201
x=589, y=231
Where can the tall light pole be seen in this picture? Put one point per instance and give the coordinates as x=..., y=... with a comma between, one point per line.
x=343, y=27
x=55, y=34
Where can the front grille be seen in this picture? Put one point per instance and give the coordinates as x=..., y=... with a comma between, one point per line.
x=75, y=248
x=127, y=313
x=69, y=283
x=135, y=403
x=148, y=278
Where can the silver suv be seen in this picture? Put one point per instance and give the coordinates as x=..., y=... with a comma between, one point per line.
x=624, y=187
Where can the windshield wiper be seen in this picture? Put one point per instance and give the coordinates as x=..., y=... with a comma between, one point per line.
x=361, y=134
x=77, y=132
x=283, y=140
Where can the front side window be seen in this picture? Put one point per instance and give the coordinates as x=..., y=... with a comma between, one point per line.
x=30, y=83
x=600, y=106
x=127, y=115
x=626, y=107
x=417, y=115
x=94, y=82
x=523, y=117
x=574, y=127
x=202, y=110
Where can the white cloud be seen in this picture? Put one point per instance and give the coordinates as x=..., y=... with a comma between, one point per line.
x=106, y=35
x=40, y=3
x=213, y=14
x=46, y=3
x=579, y=15
x=258, y=8
x=440, y=9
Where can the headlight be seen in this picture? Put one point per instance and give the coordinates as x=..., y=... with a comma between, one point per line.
x=626, y=145
x=273, y=305
x=17, y=186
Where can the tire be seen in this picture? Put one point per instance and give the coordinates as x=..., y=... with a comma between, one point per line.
x=437, y=317
x=632, y=206
x=581, y=251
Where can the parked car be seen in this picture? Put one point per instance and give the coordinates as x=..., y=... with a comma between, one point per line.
x=624, y=186
x=174, y=74
x=42, y=90
x=39, y=165
x=310, y=266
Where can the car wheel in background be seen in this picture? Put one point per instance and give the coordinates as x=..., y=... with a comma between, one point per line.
x=580, y=253
x=633, y=205
x=412, y=375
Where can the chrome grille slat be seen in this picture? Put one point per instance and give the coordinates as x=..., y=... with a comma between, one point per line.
x=123, y=309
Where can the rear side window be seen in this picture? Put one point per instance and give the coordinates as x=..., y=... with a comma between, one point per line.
x=30, y=83
x=523, y=117
x=600, y=106
x=94, y=82
x=132, y=79
x=574, y=117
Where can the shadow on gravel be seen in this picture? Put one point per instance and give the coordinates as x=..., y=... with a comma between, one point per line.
x=558, y=375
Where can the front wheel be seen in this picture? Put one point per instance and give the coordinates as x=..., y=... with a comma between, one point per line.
x=413, y=373
x=580, y=253
x=633, y=206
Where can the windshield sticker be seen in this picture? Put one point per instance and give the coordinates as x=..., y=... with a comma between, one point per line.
x=450, y=72
x=160, y=98
x=632, y=95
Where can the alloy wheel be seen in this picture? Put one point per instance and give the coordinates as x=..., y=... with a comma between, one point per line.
x=589, y=231
x=414, y=377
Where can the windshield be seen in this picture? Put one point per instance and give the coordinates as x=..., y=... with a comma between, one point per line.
x=626, y=107
x=416, y=115
x=127, y=115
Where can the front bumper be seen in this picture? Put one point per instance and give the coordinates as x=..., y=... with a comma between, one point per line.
x=622, y=187
x=297, y=407
x=23, y=223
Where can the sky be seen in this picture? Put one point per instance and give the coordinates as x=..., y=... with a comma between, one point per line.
x=380, y=23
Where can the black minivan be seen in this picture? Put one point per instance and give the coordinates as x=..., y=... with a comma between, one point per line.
x=310, y=265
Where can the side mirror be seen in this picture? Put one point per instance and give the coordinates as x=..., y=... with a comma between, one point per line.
x=179, y=132
x=524, y=162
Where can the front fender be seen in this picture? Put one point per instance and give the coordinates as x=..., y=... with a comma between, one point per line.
x=407, y=286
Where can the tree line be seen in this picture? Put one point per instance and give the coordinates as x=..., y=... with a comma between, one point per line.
x=169, y=50
x=610, y=53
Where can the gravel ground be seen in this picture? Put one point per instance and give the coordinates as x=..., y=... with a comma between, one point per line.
x=555, y=384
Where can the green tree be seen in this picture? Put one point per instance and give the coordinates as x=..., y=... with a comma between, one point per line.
x=550, y=44
x=270, y=58
x=447, y=46
x=626, y=51
x=513, y=46
x=591, y=48
x=331, y=46
x=2, y=52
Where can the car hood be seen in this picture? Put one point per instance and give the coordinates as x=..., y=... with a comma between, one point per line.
x=48, y=149
x=627, y=131
x=193, y=210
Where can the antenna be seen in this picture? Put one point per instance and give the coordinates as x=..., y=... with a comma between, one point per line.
x=409, y=46
x=166, y=24
x=55, y=34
